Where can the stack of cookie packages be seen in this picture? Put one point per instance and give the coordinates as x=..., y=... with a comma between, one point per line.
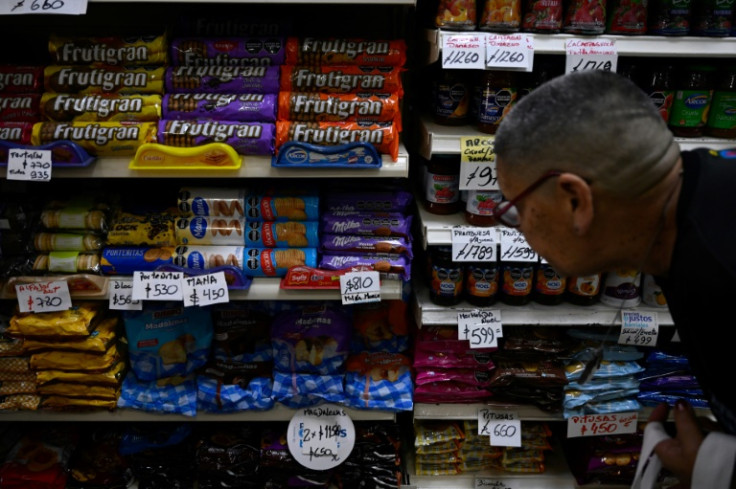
x=20, y=98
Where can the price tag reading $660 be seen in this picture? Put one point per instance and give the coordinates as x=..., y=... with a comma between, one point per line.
x=203, y=290
x=43, y=296
x=503, y=427
x=121, y=296
x=157, y=286
x=515, y=248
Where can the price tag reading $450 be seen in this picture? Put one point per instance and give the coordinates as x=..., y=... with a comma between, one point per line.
x=203, y=290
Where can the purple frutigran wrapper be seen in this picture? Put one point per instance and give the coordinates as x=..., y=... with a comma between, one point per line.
x=247, y=138
x=242, y=107
x=228, y=51
x=222, y=79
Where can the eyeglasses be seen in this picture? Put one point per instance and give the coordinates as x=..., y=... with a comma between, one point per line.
x=506, y=212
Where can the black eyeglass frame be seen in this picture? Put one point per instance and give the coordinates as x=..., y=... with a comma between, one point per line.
x=504, y=206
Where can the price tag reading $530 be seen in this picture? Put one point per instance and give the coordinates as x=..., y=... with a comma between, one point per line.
x=157, y=286
x=515, y=248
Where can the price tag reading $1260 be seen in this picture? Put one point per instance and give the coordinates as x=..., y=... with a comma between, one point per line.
x=463, y=51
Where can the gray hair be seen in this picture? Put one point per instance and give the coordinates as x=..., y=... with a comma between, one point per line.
x=596, y=124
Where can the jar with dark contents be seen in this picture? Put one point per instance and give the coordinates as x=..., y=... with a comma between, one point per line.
x=517, y=281
x=693, y=92
x=451, y=97
x=549, y=286
x=627, y=17
x=669, y=17
x=481, y=283
x=446, y=277
x=583, y=290
x=660, y=85
x=585, y=17
x=479, y=207
x=722, y=115
x=712, y=17
x=543, y=16
x=500, y=16
x=442, y=184
x=493, y=97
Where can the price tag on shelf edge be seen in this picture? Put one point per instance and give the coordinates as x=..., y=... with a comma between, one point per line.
x=43, y=296
x=360, y=287
x=486, y=482
x=157, y=286
x=590, y=54
x=33, y=165
x=503, y=427
x=639, y=328
x=321, y=437
x=58, y=7
x=477, y=164
x=510, y=51
x=469, y=322
x=601, y=424
x=514, y=247
x=203, y=290
x=121, y=296
x=463, y=51
x=474, y=244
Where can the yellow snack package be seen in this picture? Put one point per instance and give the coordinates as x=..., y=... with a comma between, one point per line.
x=113, y=376
x=98, y=341
x=65, y=360
x=77, y=321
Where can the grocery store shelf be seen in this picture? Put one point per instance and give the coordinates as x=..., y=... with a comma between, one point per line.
x=436, y=229
x=438, y=139
x=456, y=411
x=646, y=45
x=277, y=413
x=429, y=314
x=252, y=167
x=366, y=3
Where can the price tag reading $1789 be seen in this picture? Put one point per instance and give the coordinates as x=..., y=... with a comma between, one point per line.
x=474, y=244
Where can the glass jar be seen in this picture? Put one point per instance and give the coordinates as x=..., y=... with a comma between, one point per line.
x=451, y=96
x=456, y=15
x=500, y=16
x=722, y=114
x=446, y=277
x=583, y=290
x=627, y=17
x=549, y=286
x=544, y=16
x=493, y=98
x=481, y=283
x=659, y=84
x=693, y=93
x=585, y=17
x=712, y=17
x=479, y=207
x=517, y=280
x=669, y=17
x=622, y=288
x=442, y=184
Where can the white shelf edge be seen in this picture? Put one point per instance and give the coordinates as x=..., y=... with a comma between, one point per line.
x=266, y=2
x=277, y=413
x=252, y=167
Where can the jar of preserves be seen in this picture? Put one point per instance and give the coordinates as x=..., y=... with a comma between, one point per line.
x=693, y=93
x=493, y=98
x=442, y=184
x=627, y=17
x=479, y=207
x=446, y=277
x=585, y=17
x=583, y=290
x=669, y=17
x=451, y=96
x=481, y=283
x=517, y=280
x=544, y=16
x=622, y=288
x=456, y=15
x=722, y=114
x=549, y=286
x=712, y=17
x=500, y=16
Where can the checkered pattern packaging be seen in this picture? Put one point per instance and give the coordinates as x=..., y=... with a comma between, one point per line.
x=149, y=396
x=303, y=390
x=362, y=392
x=214, y=396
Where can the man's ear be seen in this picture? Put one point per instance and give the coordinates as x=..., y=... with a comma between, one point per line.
x=577, y=197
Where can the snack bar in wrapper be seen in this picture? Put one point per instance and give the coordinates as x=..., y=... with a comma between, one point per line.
x=222, y=79
x=247, y=138
x=16, y=107
x=243, y=107
x=342, y=51
x=97, y=138
x=318, y=107
x=227, y=51
x=16, y=132
x=109, y=50
x=112, y=107
x=212, y=201
x=21, y=79
x=341, y=79
x=104, y=79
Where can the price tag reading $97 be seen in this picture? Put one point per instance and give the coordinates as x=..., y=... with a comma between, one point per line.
x=203, y=290
x=503, y=427
x=474, y=244
x=43, y=296
x=477, y=164
x=515, y=248
x=121, y=296
x=157, y=286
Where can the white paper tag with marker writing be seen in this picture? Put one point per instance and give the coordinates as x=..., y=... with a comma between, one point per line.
x=43, y=296
x=321, y=437
x=33, y=165
x=157, y=286
x=463, y=51
x=360, y=287
x=503, y=427
x=121, y=296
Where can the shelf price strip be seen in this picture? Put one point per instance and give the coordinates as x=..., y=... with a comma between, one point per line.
x=463, y=51
x=360, y=287
x=639, y=328
x=477, y=164
x=509, y=52
x=29, y=165
x=503, y=427
x=43, y=296
x=121, y=296
x=46, y=7
x=321, y=437
x=590, y=54
x=601, y=424
x=482, y=328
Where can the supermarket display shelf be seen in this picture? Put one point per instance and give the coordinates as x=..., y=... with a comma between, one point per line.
x=429, y=314
x=262, y=289
x=277, y=413
x=366, y=3
x=252, y=167
x=436, y=229
x=645, y=45
x=438, y=139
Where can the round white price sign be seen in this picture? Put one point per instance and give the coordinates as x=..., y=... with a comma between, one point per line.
x=321, y=437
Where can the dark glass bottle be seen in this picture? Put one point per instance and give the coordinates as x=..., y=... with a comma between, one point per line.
x=583, y=290
x=693, y=93
x=451, y=97
x=481, y=283
x=660, y=85
x=517, y=280
x=446, y=277
x=722, y=114
x=493, y=97
x=549, y=286
x=442, y=184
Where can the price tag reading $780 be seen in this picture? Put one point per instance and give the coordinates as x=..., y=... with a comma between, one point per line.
x=359, y=287
x=203, y=290
x=503, y=427
x=463, y=51
x=515, y=248
x=43, y=296
x=474, y=244
x=157, y=286
x=121, y=296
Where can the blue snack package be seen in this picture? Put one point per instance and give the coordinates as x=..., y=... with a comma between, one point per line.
x=217, y=397
x=303, y=390
x=275, y=262
x=177, y=396
x=379, y=381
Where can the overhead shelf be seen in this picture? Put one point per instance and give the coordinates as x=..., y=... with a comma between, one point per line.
x=366, y=3
x=645, y=45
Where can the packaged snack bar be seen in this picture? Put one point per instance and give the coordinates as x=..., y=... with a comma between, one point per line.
x=98, y=341
x=233, y=387
x=381, y=224
x=57, y=241
x=222, y=79
x=275, y=262
x=66, y=262
x=76, y=322
x=247, y=138
x=98, y=138
x=109, y=50
x=341, y=79
x=282, y=234
x=345, y=51
x=73, y=360
x=21, y=79
x=124, y=260
x=69, y=107
x=298, y=390
x=227, y=51
x=395, y=267
x=317, y=107
x=153, y=229
x=20, y=107
x=212, y=201
x=379, y=381
x=16, y=132
x=277, y=205
x=243, y=107
x=107, y=79
x=348, y=244
x=393, y=200
x=178, y=396
x=205, y=230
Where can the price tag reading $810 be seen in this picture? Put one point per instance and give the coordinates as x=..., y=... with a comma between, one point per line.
x=463, y=51
x=503, y=427
x=157, y=286
x=473, y=244
x=203, y=290
x=515, y=248
x=359, y=287
x=121, y=296
x=43, y=296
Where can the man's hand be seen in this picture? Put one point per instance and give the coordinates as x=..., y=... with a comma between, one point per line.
x=678, y=454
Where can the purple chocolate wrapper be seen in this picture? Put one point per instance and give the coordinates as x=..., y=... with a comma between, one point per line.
x=228, y=51
x=367, y=224
x=243, y=107
x=394, y=267
x=346, y=243
x=385, y=201
x=247, y=138
x=222, y=79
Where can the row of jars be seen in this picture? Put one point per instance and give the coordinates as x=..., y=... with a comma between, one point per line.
x=634, y=17
x=518, y=283
x=694, y=99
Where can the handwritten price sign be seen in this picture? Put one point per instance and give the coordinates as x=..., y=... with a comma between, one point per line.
x=463, y=51
x=477, y=164
x=474, y=244
x=203, y=290
x=510, y=52
x=487, y=483
x=590, y=54
x=322, y=437
x=639, y=328
x=157, y=286
x=503, y=427
x=43, y=296
x=481, y=328
x=59, y=7
x=601, y=424
x=515, y=248
x=360, y=287
x=30, y=165
x=121, y=296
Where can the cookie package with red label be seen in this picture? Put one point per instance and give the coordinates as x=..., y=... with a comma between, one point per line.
x=325, y=107
x=16, y=132
x=227, y=51
x=341, y=79
x=20, y=107
x=111, y=107
x=345, y=51
x=109, y=50
x=21, y=79
x=384, y=136
x=98, y=138
x=247, y=138
x=222, y=79
x=104, y=79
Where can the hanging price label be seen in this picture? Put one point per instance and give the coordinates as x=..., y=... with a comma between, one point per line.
x=639, y=328
x=503, y=427
x=601, y=424
x=157, y=286
x=590, y=54
x=43, y=296
x=510, y=51
x=481, y=327
x=121, y=296
x=58, y=7
x=514, y=247
x=360, y=287
x=203, y=290
x=485, y=482
x=474, y=244
x=32, y=165
x=322, y=437
x=463, y=51
x=477, y=164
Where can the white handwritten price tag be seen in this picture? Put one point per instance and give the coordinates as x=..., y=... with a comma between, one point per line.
x=477, y=164
x=204, y=290
x=157, y=286
x=485, y=482
x=639, y=328
x=601, y=424
x=463, y=51
x=121, y=296
x=43, y=296
x=29, y=164
x=514, y=247
x=503, y=427
x=321, y=437
x=474, y=244
x=470, y=322
x=360, y=287
x=590, y=54
x=510, y=51
x=58, y=7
